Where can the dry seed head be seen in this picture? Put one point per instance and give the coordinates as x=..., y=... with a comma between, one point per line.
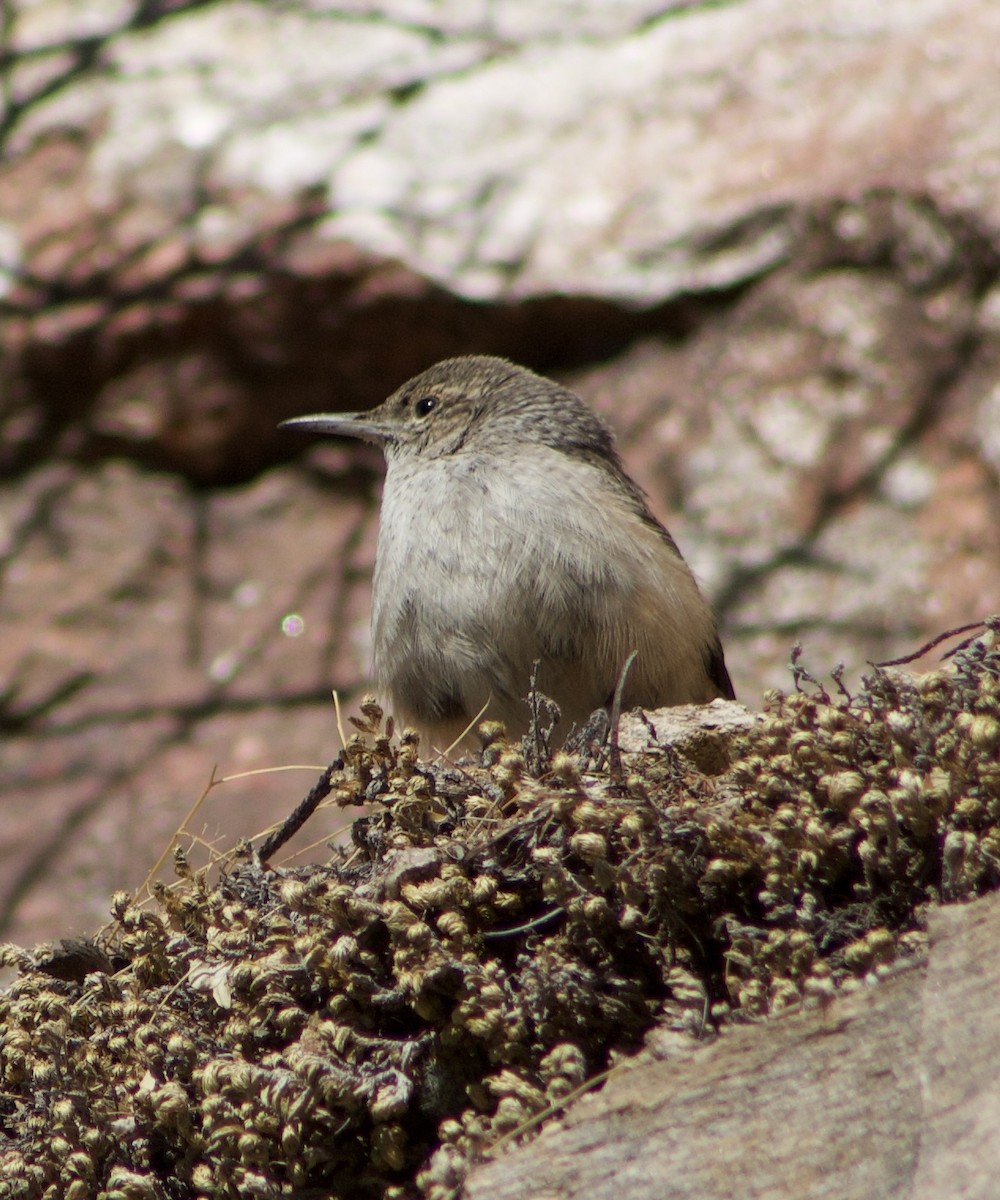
x=633, y=825
x=831, y=718
x=597, y=911
x=588, y=815
x=565, y=768
x=720, y=871
x=784, y=995
x=802, y=748
x=484, y=888
x=843, y=788
x=490, y=732
x=970, y=810
x=505, y=777
x=630, y=918
x=419, y=935
x=591, y=847
x=513, y=761
x=635, y=785
x=452, y=925
x=984, y=733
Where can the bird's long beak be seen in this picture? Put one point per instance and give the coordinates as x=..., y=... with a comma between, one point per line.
x=355, y=425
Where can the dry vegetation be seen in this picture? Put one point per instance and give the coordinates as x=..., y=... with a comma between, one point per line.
x=497, y=934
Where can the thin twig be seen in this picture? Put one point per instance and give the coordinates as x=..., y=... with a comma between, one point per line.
x=587, y=1086
x=614, y=751
x=493, y=935
x=941, y=637
x=294, y=822
x=213, y=781
x=446, y=754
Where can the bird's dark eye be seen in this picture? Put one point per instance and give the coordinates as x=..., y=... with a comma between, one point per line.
x=425, y=405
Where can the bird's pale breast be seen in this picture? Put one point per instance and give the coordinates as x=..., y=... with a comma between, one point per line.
x=485, y=566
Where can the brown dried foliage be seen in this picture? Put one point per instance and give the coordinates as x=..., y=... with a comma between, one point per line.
x=495, y=938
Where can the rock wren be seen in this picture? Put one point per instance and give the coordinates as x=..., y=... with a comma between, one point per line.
x=510, y=534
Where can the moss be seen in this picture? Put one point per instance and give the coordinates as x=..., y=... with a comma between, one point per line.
x=492, y=940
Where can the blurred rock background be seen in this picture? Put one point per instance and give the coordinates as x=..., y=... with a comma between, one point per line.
x=761, y=237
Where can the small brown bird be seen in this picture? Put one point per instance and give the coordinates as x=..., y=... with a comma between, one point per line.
x=510, y=534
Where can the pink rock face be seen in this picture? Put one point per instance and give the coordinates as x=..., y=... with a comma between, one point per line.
x=764, y=248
